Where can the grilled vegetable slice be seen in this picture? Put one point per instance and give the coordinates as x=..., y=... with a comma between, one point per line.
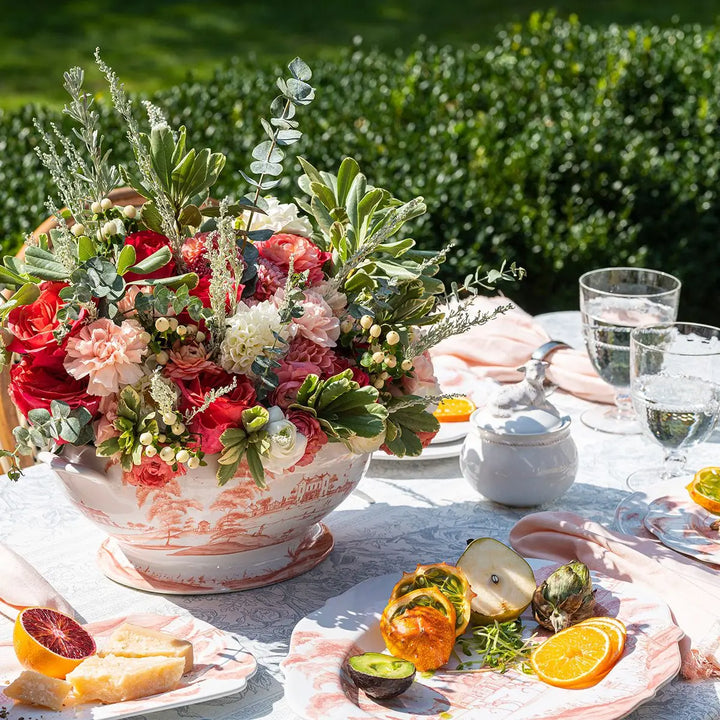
x=381, y=676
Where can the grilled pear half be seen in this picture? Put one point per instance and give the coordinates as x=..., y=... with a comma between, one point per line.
x=503, y=582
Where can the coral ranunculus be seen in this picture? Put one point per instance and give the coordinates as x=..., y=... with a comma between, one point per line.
x=305, y=253
x=32, y=325
x=221, y=414
x=187, y=360
x=291, y=376
x=36, y=384
x=146, y=243
x=152, y=473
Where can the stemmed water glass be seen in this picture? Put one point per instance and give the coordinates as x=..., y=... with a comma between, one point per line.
x=613, y=301
x=675, y=388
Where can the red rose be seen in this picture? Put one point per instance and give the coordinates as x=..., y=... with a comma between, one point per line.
x=305, y=253
x=223, y=413
x=36, y=384
x=202, y=291
x=146, y=243
x=341, y=363
x=152, y=472
x=308, y=426
x=32, y=325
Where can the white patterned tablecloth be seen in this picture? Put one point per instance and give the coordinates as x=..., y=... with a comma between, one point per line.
x=422, y=512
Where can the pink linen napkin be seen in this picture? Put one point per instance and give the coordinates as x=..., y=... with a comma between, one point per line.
x=22, y=586
x=690, y=589
x=497, y=348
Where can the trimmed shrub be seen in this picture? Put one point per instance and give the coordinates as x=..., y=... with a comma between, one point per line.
x=563, y=147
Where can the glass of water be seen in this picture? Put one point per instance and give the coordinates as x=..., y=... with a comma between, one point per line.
x=613, y=301
x=675, y=388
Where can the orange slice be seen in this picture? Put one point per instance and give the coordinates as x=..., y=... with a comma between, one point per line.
x=705, y=489
x=615, y=629
x=457, y=409
x=50, y=642
x=575, y=657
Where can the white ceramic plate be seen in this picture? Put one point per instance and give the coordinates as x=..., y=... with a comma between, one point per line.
x=451, y=432
x=431, y=452
x=221, y=668
x=318, y=688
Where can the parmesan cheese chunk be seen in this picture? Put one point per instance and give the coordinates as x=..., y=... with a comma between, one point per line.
x=134, y=641
x=114, y=679
x=34, y=688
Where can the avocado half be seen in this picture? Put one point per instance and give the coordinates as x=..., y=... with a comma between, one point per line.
x=381, y=676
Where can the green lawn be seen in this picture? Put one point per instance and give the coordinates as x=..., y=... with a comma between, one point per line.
x=155, y=43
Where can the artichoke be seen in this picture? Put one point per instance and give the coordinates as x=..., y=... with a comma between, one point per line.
x=565, y=598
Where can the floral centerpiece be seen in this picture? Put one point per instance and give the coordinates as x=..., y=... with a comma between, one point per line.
x=245, y=330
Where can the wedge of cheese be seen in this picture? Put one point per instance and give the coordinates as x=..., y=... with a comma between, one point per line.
x=34, y=688
x=114, y=679
x=130, y=640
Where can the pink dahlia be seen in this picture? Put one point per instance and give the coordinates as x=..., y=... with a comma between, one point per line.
x=305, y=253
x=304, y=350
x=109, y=355
x=270, y=278
x=152, y=473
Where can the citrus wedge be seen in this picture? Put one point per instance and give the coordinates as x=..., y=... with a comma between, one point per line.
x=457, y=409
x=615, y=629
x=575, y=657
x=705, y=489
x=50, y=642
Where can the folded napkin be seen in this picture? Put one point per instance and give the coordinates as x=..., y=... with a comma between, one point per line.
x=22, y=586
x=497, y=348
x=690, y=589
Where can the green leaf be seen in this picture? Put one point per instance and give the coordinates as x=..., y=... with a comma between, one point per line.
x=190, y=215
x=347, y=173
x=162, y=147
x=85, y=248
x=153, y=262
x=108, y=448
x=25, y=295
x=226, y=473
x=43, y=264
x=300, y=70
x=255, y=418
x=256, y=467
x=188, y=279
x=125, y=259
x=151, y=217
x=8, y=277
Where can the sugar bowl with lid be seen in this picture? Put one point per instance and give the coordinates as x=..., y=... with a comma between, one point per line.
x=519, y=450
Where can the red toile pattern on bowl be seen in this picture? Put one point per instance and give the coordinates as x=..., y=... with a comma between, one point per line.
x=191, y=536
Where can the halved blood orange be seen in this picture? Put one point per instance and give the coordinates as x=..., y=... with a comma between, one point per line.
x=456, y=409
x=573, y=658
x=704, y=489
x=50, y=642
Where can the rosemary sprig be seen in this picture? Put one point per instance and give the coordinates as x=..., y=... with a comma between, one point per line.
x=501, y=646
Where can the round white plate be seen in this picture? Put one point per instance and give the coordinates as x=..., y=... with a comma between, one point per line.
x=222, y=667
x=451, y=432
x=431, y=452
x=317, y=686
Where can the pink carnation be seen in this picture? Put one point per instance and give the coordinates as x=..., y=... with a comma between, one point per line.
x=317, y=323
x=105, y=428
x=305, y=253
x=308, y=426
x=187, y=360
x=109, y=355
x=270, y=278
x=334, y=298
x=152, y=473
x=291, y=376
x=304, y=350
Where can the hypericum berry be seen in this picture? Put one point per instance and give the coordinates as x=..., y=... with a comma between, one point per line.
x=406, y=365
x=193, y=463
x=96, y=207
x=145, y=337
x=173, y=323
x=169, y=418
x=178, y=428
x=130, y=212
x=77, y=229
x=146, y=438
x=200, y=336
x=391, y=361
x=192, y=329
x=109, y=228
x=162, y=438
x=346, y=325
x=167, y=454
x=392, y=338
x=378, y=357
x=379, y=383
x=162, y=324
x=181, y=330
x=151, y=451
x=183, y=456
x=366, y=322
x=106, y=204
x=375, y=331
x=161, y=358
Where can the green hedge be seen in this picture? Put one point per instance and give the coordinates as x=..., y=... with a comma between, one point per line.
x=563, y=147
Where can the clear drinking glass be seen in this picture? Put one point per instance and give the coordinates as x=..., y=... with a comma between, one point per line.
x=613, y=301
x=675, y=388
